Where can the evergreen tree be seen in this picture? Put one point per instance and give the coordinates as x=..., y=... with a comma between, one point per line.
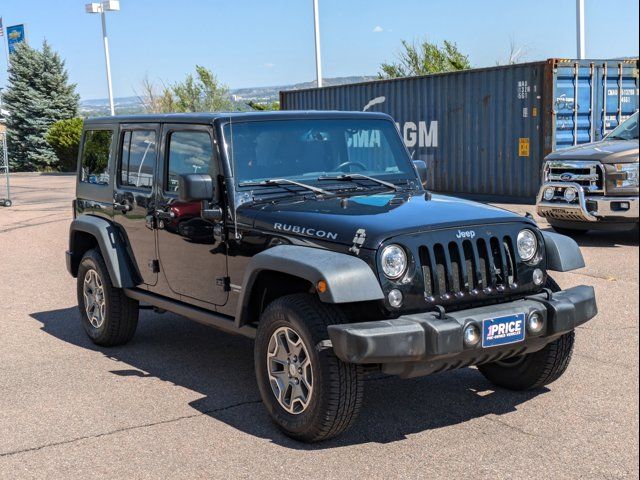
x=38, y=95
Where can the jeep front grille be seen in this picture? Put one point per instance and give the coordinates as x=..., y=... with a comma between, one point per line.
x=587, y=174
x=468, y=267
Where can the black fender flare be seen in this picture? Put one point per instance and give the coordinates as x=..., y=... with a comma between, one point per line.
x=563, y=253
x=112, y=248
x=349, y=279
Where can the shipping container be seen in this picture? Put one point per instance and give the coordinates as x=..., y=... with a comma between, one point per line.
x=486, y=131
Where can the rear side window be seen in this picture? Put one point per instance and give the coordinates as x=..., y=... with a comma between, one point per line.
x=95, y=157
x=189, y=152
x=137, y=159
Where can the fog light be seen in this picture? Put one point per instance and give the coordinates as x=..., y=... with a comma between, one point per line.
x=570, y=194
x=538, y=276
x=395, y=298
x=535, y=323
x=471, y=335
x=549, y=193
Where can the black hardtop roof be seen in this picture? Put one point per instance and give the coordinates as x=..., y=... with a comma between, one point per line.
x=209, y=117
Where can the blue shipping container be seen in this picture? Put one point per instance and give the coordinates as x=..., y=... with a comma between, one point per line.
x=486, y=131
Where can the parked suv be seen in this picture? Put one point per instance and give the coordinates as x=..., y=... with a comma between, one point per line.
x=593, y=186
x=311, y=232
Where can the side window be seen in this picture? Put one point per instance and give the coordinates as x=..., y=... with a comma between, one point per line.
x=189, y=152
x=137, y=159
x=95, y=157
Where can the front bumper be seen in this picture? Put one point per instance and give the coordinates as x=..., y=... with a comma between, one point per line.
x=586, y=208
x=419, y=344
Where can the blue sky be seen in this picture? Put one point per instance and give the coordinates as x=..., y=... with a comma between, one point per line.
x=270, y=42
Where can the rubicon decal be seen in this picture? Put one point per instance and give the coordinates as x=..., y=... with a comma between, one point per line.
x=311, y=232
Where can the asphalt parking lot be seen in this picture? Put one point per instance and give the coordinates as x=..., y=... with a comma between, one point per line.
x=180, y=400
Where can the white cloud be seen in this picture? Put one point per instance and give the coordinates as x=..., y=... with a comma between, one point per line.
x=269, y=65
x=377, y=29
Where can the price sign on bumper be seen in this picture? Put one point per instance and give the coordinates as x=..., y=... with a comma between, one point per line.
x=503, y=330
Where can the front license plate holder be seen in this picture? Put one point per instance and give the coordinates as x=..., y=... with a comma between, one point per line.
x=503, y=330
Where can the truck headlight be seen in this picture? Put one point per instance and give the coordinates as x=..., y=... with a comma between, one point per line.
x=394, y=261
x=527, y=245
x=631, y=169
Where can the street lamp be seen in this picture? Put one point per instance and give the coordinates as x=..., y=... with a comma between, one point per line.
x=101, y=8
x=316, y=28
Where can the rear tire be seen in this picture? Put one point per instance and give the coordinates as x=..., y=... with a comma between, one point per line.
x=533, y=370
x=108, y=316
x=321, y=401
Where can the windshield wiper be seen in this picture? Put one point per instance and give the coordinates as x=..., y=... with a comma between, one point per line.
x=354, y=176
x=285, y=181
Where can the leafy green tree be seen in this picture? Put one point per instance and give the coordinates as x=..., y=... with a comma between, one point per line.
x=425, y=58
x=200, y=93
x=262, y=107
x=64, y=138
x=38, y=95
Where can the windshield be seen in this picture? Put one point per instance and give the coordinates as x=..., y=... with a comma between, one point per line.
x=627, y=130
x=305, y=150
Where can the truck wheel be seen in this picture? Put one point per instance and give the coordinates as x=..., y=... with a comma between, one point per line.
x=534, y=370
x=108, y=316
x=310, y=394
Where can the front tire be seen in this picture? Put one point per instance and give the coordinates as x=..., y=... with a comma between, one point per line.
x=310, y=394
x=533, y=370
x=108, y=316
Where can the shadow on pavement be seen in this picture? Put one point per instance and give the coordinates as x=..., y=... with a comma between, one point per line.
x=220, y=367
x=595, y=238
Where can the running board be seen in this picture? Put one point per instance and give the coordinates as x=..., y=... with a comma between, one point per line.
x=200, y=315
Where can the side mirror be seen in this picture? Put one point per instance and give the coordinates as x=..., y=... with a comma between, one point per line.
x=421, y=167
x=195, y=187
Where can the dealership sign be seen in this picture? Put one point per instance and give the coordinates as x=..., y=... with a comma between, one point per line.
x=15, y=35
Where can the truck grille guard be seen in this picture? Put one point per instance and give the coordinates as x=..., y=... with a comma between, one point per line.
x=558, y=208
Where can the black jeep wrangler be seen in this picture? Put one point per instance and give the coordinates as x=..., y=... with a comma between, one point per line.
x=311, y=232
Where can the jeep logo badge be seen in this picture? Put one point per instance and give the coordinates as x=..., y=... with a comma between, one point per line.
x=466, y=234
x=566, y=177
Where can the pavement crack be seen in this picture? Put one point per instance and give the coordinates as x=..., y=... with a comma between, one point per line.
x=126, y=429
x=517, y=429
x=11, y=229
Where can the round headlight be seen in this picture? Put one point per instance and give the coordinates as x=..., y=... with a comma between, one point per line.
x=527, y=245
x=549, y=193
x=394, y=261
x=570, y=194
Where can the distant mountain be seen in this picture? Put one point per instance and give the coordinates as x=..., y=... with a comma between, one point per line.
x=240, y=96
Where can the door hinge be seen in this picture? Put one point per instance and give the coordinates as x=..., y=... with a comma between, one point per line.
x=154, y=265
x=224, y=283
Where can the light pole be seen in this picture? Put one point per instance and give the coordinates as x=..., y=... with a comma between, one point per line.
x=316, y=26
x=580, y=29
x=101, y=8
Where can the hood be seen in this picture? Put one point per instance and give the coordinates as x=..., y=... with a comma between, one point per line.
x=376, y=216
x=607, y=151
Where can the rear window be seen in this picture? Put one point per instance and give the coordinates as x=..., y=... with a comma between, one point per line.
x=138, y=159
x=95, y=157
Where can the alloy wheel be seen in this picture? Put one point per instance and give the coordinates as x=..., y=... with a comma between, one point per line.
x=94, y=301
x=290, y=371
